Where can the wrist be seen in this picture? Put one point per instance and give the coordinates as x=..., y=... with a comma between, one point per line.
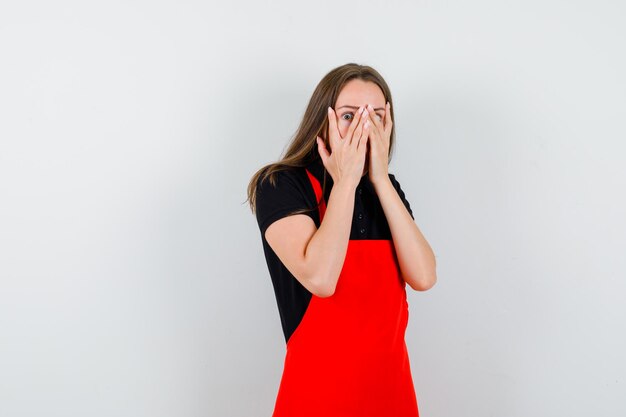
x=381, y=182
x=346, y=183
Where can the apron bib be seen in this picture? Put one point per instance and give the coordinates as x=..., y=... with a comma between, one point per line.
x=348, y=356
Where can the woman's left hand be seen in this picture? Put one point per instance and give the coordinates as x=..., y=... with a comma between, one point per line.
x=379, y=137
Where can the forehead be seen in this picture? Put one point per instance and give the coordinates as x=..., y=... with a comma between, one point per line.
x=358, y=92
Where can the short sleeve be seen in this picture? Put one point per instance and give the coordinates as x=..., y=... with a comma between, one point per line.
x=396, y=185
x=274, y=202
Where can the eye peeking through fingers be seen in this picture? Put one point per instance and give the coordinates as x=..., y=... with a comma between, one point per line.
x=349, y=116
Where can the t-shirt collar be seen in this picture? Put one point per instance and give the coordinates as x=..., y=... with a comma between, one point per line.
x=317, y=169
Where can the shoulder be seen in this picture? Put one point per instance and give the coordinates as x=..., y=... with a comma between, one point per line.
x=283, y=180
x=394, y=181
x=281, y=195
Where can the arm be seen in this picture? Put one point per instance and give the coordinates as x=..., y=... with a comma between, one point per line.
x=315, y=256
x=415, y=256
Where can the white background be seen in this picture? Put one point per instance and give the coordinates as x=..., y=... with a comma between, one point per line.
x=132, y=277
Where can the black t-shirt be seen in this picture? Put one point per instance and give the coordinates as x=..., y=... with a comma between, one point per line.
x=294, y=191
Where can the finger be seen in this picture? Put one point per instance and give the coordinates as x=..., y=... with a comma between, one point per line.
x=364, y=132
x=333, y=131
x=357, y=134
x=353, y=139
x=365, y=148
x=374, y=132
x=321, y=148
x=363, y=142
x=355, y=122
x=388, y=122
x=377, y=123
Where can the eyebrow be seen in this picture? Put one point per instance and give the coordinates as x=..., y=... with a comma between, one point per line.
x=356, y=108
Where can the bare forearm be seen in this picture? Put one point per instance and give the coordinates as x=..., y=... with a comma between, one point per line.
x=327, y=248
x=415, y=256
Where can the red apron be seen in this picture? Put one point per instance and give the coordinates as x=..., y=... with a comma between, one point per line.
x=348, y=356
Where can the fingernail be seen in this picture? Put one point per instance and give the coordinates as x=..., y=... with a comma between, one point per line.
x=329, y=109
x=369, y=106
x=361, y=109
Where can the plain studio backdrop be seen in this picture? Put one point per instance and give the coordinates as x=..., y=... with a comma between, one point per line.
x=132, y=276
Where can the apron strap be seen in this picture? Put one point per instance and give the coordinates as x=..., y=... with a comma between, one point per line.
x=318, y=194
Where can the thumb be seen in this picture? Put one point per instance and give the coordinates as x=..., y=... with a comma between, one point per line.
x=321, y=148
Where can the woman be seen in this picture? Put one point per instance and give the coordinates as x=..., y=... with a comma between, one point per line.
x=341, y=244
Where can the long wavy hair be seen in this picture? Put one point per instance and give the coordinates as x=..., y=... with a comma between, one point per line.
x=303, y=147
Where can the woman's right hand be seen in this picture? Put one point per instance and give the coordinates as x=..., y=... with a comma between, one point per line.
x=346, y=159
